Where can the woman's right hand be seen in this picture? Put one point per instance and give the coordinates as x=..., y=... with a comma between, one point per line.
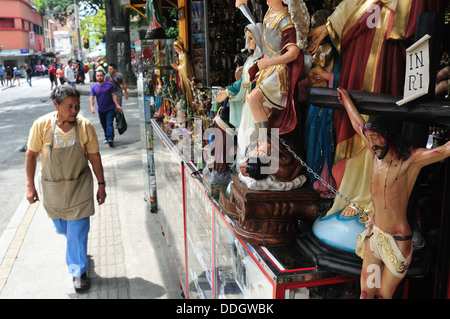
x=32, y=195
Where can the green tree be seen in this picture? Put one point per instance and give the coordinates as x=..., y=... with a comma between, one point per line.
x=93, y=27
x=118, y=48
x=63, y=9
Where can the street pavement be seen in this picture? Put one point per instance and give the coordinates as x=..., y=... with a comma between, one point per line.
x=128, y=255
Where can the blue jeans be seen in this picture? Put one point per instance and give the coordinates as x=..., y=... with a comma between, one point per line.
x=76, y=233
x=29, y=80
x=107, y=121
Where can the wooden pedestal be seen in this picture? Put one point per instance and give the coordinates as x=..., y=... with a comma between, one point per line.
x=271, y=218
x=227, y=206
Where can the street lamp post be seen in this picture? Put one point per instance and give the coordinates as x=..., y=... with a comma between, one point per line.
x=77, y=25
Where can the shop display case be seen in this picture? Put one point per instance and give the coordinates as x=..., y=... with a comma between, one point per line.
x=170, y=204
x=211, y=262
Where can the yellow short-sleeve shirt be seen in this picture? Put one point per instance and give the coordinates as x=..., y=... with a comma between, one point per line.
x=41, y=132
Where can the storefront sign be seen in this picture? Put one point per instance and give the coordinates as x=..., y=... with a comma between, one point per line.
x=417, y=72
x=31, y=37
x=14, y=52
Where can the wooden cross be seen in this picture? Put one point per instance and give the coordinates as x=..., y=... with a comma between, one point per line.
x=425, y=110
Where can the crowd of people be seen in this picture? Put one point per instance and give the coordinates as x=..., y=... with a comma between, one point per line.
x=9, y=75
x=73, y=73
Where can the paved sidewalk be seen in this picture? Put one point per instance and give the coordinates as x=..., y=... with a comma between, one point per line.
x=127, y=251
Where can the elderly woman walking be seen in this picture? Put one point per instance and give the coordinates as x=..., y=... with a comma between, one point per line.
x=67, y=141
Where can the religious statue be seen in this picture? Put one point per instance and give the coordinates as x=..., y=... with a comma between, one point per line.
x=272, y=102
x=267, y=192
x=372, y=37
x=181, y=112
x=237, y=93
x=319, y=128
x=185, y=72
x=159, y=100
x=239, y=114
x=152, y=10
x=387, y=241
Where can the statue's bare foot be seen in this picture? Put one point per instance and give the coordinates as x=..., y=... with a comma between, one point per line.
x=261, y=151
x=349, y=212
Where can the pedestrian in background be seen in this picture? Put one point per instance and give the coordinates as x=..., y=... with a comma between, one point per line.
x=52, y=76
x=118, y=81
x=80, y=72
x=16, y=76
x=29, y=72
x=60, y=74
x=106, y=104
x=67, y=141
x=2, y=74
x=69, y=74
x=9, y=75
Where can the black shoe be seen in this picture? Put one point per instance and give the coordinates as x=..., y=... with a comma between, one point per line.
x=82, y=283
x=111, y=143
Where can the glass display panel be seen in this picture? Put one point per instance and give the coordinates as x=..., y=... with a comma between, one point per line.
x=238, y=275
x=169, y=183
x=174, y=210
x=198, y=239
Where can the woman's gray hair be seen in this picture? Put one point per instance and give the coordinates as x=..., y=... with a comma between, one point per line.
x=61, y=92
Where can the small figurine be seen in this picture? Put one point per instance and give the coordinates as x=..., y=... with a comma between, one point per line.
x=159, y=100
x=181, y=112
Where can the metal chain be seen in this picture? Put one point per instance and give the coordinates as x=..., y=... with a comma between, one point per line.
x=364, y=215
x=356, y=207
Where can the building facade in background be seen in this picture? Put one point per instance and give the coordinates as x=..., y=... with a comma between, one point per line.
x=26, y=36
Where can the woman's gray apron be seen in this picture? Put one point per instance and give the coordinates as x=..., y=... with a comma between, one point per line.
x=66, y=182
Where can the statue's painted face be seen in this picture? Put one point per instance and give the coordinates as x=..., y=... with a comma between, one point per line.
x=177, y=49
x=378, y=143
x=250, y=40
